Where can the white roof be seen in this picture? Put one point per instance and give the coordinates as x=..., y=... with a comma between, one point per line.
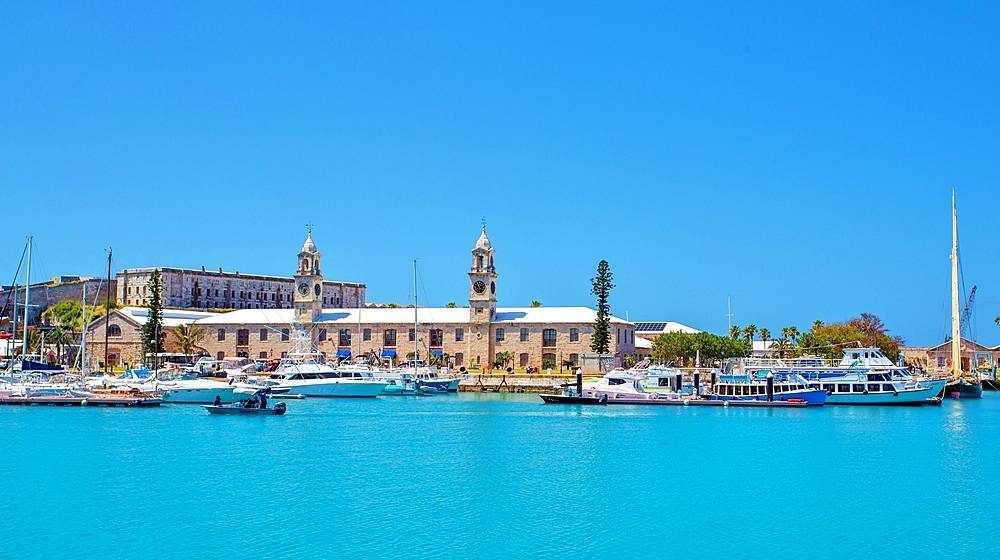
x=171, y=317
x=643, y=343
x=395, y=315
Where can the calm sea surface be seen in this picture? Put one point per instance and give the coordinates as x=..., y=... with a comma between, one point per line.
x=500, y=476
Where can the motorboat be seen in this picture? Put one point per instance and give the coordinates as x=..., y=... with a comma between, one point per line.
x=427, y=379
x=572, y=393
x=397, y=383
x=247, y=407
x=189, y=389
x=308, y=373
x=618, y=384
x=660, y=379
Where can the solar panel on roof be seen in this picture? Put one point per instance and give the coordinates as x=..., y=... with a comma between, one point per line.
x=653, y=327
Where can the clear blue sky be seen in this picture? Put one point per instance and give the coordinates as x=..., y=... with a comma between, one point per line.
x=798, y=157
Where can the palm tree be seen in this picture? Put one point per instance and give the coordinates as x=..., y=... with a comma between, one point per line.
x=782, y=347
x=187, y=338
x=765, y=335
x=60, y=338
x=536, y=303
x=734, y=332
x=748, y=332
x=503, y=358
x=451, y=305
x=997, y=320
x=793, y=332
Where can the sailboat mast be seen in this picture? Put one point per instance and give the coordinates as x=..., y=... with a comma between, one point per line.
x=956, y=352
x=107, y=311
x=27, y=293
x=83, y=338
x=416, y=337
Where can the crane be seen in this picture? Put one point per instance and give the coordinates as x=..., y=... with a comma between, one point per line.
x=967, y=314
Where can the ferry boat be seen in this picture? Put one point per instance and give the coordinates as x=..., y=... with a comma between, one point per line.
x=864, y=376
x=752, y=385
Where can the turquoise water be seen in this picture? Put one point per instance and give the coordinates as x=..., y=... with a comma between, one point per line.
x=474, y=475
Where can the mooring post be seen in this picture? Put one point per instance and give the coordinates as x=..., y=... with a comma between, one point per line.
x=579, y=382
x=697, y=384
x=770, y=387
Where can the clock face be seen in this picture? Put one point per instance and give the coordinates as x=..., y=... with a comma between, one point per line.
x=304, y=289
x=479, y=286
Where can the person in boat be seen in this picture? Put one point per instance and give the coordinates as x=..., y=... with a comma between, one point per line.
x=218, y=400
x=263, y=400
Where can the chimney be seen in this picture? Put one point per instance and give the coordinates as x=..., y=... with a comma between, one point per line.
x=220, y=270
x=203, y=268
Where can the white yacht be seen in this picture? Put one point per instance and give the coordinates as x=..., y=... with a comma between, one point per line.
x=189, y=389
x=618, y=384
x=307, y=373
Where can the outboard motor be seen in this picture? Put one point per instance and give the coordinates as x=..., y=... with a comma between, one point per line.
x=280, y=408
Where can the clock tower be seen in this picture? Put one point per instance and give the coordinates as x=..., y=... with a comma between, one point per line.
x=308, y=284
x=482, y=282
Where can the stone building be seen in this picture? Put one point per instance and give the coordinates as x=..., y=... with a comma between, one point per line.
x=194, y=289
x=47, y=294
x=124, y=334
x=470, y=337
x=936, y=360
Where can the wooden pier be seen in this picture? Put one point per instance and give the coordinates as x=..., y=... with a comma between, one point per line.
x=81, y=401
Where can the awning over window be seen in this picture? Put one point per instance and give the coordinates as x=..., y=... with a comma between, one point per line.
x=388, y=353
x=343, y=354
x=436, y=353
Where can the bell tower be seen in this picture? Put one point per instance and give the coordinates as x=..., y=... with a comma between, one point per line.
x=482, y=282
x=308, y=283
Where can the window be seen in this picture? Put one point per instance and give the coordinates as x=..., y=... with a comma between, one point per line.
x=574, y=335
x=243, y=337
x=389, y=337
x=263, y=355
x=322, y=335
x=366, y=334
x=859, y=388
x=524, y=335
x=459, y=358
x=548, y=338
x=412, y=335
x=873, y=387
x=548, y=360
x=437, y=337
x=220, y=356
x=263, y=335
x=500, y=335
x=888, y=388
x=345, y=337
x=222, y=334
x=618, y=336
x=523, y=360
x=284, y=335
x=843, y=388
x=575, y=358
x=113, y=330
x=459, y=335
x=941, y=361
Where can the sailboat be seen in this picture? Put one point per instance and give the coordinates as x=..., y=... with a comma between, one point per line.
x=960, y=387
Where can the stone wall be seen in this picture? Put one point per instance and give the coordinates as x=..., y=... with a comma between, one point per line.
x=43, y=296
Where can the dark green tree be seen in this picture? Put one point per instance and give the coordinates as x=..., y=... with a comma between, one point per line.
x=152, y=331
x=601, y=287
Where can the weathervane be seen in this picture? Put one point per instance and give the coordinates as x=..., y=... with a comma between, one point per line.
x=484, y=223
x=309, y=226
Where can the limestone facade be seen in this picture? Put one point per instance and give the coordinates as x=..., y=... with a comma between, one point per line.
x=463, y=337
x=186, y=289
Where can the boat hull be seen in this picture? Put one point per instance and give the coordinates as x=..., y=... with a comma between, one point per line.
x=963, y=390
x=813, y=397
x=568, y=399
x=199, y=395
x=912, y=397
x=278, y=410
x=337, y=388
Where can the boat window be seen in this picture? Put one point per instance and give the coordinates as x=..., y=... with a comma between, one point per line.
x=859, y=388
x=827, y=386
x=296, y=376
x=888, y=387
x=753, y=389
x=663, y=382
x=855, y=355
x=616, y=381
x=778, y=389
x=843, y=388
x=308, y=376
x=873, y=387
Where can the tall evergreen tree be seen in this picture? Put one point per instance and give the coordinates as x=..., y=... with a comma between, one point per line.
x=601, y=287
x=152, y=332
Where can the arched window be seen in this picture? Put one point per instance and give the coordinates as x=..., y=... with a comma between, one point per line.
x=480, y=265
x=114, y=330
